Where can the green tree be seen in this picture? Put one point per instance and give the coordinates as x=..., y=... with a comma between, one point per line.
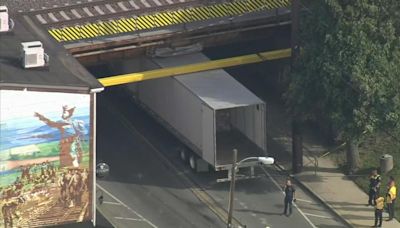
x=349, y=68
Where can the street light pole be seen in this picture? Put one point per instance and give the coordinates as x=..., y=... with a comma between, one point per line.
x=232, y=189
x=263, y=160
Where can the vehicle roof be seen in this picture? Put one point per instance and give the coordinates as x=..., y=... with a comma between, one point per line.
x=215, y=87
x=64, y=71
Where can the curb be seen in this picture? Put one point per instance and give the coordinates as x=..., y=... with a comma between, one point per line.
x=319, y=198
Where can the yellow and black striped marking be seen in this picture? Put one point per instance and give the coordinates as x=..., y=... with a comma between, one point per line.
x=162, y=19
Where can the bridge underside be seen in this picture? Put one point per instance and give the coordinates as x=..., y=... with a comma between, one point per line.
x=135, y=45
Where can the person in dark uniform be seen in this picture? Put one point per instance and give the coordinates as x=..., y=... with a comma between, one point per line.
x=290, y=197
x=374, y=184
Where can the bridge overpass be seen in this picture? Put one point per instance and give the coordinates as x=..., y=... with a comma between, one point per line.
x=93, y=29
x=72, y=23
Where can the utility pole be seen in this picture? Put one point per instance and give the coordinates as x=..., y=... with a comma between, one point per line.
x=232, y=189
x=297, y=139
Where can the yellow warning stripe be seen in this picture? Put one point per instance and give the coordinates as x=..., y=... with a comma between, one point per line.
x=202, y=12
x=162, y=19
x=132, y=23
x=54, y=33
x=126, y=24
x=167, y=20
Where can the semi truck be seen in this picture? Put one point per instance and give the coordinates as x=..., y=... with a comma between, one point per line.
x=209, y=112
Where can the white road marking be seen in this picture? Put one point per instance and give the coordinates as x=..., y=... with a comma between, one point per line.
x=87, y=11
x=126, y=206
x=157, y=2
x=52, y=17
x=319, y=216
x=97, y=8
x=145, y=3
x=279, y=187
x=64, y=15
x=170, y=2
x=303, y=200
x=113, y=203
x=243, y=205
x=75, y=13
x=41, y=19
x=122, y=6
x=132, y=219
x=109, y=7
x=263, y=221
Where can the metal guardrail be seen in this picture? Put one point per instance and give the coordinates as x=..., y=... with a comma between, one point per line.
x=315, y=158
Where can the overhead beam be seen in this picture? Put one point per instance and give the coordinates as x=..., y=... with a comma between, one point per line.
x=196, y=67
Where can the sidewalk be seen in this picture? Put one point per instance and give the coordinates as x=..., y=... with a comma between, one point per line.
x=341, y=194
x=328, y=183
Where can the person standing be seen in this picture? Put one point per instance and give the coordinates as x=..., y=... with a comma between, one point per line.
x=290, y=196
x=391, y=198
x=379, y=205
x=390, y=182
x=374, y=184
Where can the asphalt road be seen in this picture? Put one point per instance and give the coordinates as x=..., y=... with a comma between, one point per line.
x=145, y=191
x=142, y=191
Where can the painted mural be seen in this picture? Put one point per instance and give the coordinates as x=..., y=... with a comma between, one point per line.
x=45, y=171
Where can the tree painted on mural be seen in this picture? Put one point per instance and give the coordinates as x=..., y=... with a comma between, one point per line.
x=349, y=68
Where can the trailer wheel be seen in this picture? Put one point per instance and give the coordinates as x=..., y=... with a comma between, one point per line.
x=192, y=162
x=183, y=154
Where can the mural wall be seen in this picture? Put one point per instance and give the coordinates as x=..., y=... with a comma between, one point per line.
x=45, y=158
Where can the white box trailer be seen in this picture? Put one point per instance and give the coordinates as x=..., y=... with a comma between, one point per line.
x=210, y=112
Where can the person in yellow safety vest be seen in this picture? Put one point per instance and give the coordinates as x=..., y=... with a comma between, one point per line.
x=374, y=184
x=391, y=198
x=379, y=205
